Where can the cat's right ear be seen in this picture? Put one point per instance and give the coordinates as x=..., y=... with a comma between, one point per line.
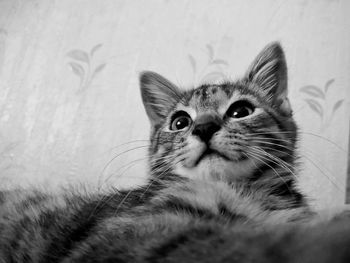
x=269, y=72
x=159, y=96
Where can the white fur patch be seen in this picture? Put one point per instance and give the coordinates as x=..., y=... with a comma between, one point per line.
x=217, y=168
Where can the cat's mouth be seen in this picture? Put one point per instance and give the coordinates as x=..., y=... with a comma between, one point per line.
x=211, y=154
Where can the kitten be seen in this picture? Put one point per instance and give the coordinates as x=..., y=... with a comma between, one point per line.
x=239, y=133
x=222, y=187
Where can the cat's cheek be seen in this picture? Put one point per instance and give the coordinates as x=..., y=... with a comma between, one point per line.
x=194, y=150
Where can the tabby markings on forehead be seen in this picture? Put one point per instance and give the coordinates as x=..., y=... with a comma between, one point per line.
x=219, y=103
x=208, y=97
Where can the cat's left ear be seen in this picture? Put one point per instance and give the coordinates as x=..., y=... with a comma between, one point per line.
x=159, y=96
x=269, y=72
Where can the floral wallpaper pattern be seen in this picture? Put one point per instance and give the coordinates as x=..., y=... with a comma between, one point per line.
x=70, y=108
x=82, y=65
x=212, y=71
x=318, y=101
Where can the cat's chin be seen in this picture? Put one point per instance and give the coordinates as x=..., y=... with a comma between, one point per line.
x=214, y=166
x=210, y=155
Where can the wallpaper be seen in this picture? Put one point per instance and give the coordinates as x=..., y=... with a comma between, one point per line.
x=70, y=106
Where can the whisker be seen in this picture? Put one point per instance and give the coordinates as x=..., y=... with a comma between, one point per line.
x=127, y=143
x=126, y=166
x=271, y=139
x=301, y=132
x=165, y=171
x=258, y=157
x=278, y=160
x=122, y=201
x=275, y=144
x=162, y=160
x=271, y=158
x=254, y=163
x=289, y=148
x=310, y=160
x=101, y=203
x=120, y=154
x=310, y=152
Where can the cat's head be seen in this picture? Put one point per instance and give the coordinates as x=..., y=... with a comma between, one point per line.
x=227, y=131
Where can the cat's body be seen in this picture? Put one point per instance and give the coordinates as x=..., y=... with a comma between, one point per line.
x=194, y=221
x=222, y=187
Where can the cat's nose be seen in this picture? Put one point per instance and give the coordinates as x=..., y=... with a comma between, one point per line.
x=205, y=126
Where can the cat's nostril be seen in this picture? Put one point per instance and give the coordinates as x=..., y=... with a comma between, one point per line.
x=205, y=130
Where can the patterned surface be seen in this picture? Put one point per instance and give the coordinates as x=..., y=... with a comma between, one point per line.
x=69, y=98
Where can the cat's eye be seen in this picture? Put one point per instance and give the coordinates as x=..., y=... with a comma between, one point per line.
x=180, y=121
x=240, y=109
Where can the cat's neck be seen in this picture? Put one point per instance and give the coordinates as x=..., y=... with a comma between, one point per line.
x=278, y=187
x=210, y=195
x=273, y=182
x=274, y=189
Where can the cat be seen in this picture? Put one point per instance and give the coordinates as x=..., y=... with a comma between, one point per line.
x=222, y=186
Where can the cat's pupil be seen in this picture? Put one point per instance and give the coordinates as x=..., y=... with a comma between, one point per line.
x=241, y=112
x=181, y=123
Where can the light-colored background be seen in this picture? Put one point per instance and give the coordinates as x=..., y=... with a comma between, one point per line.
x=69, y=94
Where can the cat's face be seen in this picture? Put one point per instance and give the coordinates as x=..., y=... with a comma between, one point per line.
x=226, y=131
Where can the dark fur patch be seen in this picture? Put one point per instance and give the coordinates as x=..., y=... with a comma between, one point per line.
x=287, y=190
x=175, y=242
x=2, y=197
x=80, y=224
x=223, y=211
x=178, y=205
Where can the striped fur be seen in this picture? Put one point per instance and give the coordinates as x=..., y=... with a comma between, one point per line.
x=223, y=195
x=258, y=150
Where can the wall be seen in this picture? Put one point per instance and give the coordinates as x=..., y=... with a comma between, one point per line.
x=70, y=109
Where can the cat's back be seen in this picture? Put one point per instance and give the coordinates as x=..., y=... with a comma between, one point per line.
x=40, y=227
x=193, y=221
